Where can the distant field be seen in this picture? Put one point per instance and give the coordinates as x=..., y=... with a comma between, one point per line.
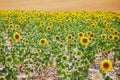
x=61, y=5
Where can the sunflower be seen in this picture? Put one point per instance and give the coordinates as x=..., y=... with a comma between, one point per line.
x=110, y=37
x=50, y=23
x=69, y=20
x=93, y=25
x=116, y=37
x=59, y=22
x=106, y=65
x=9, y=19
x=57, y=37
x=88, y=33
x=100, y=20
x=26, y=41
x=80, y=26
x=9, y=59
x=93, y=39
x=103, y=36
x=3, y=63
x=116, y=32
x=10, y=39
x=16, y=26
x=36, y=53
x=107, y=18
x=104, y=22
x=43, y=41
x=84, y=41
x=28, y=17
x=111, y=29
x=2, y=78
x=49, y=28
x=11, y=26
x=88, y=20
x=91, y=35
x=61, y=45
x=41, y=25
x=87, y=28
x=107, y=24
x=69, y=37
x=80, y=34
x=106, y=29
x=79, y=52
x=16, y=36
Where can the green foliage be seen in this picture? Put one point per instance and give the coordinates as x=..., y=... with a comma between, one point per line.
x=64, y=54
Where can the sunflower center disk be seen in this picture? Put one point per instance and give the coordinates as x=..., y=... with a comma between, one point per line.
x=43, y=41
x=85, y=40
x=17, y=36
x=80, y=34
x=105, y=65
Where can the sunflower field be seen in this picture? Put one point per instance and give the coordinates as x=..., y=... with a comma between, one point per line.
x=64, y=45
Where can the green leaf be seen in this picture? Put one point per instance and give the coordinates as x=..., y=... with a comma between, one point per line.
x=108, y=78
x=81, y=78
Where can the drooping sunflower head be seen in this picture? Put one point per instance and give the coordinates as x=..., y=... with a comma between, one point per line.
x=43, y=41
x=106, y=65
x=84, y=41
x=16, y=37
